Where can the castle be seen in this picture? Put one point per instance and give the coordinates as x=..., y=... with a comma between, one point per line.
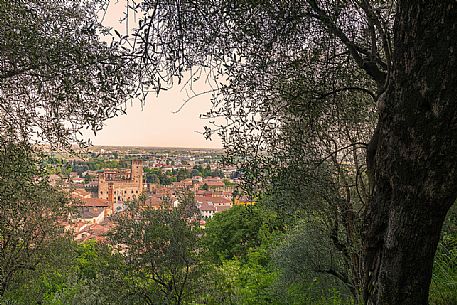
x=118, y=186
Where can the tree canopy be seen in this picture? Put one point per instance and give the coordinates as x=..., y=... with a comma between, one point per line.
x=352, y=102
x=59, y=71
x=31, y=213
x=343, y=84
x=160, y=247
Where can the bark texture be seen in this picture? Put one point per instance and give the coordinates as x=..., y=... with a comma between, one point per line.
x=415, y=162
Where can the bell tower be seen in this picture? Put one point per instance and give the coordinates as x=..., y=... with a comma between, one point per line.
x=111, y=195
x=137, y=173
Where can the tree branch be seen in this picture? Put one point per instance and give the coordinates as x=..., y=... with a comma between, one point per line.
x=370, y=66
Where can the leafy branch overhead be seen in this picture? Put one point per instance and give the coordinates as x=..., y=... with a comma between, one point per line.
x=299, y=82
x=284, y=73
x=57, y=77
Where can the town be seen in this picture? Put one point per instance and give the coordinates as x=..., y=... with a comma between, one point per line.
x=104, y=180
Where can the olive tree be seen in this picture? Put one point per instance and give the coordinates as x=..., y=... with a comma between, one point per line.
x=161, y=249
x=61, y=71
x=31, y=213
x=364, y=82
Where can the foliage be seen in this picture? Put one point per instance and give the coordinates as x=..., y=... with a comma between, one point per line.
x=182, y=174
x=57, y=75
x=296, y=84
x=86, y=273
x=279, y=264
x=49, y=278
x=31, y=212
x=160, y=247
x=204, y=172
x=227, y=182
x=233, y=233
x=309, y=265
x=236, y=281
x=156, y=175
x=443, y=289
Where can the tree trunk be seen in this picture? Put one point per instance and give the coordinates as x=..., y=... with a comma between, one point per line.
x=415, y=164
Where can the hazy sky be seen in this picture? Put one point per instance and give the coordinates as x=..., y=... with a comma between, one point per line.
x=156, y=124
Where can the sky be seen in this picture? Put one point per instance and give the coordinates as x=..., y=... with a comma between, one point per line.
x=156, y=124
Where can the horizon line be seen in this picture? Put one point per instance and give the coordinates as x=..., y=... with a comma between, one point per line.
x=161, y=147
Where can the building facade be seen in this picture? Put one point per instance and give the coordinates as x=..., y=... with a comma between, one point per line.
x=121, y=185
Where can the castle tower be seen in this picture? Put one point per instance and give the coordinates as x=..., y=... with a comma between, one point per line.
x=111, y=195
x=102, y=186
x=137, y=173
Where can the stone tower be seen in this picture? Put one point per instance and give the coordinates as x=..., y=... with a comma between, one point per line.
x=111, y=195
x=137, y=173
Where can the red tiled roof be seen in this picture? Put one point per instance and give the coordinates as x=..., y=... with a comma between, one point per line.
x=214, y=183
x=79, y=193
x=207, y=207
x=153, y=201
x=99, y=229
x=213, y=200
x=93, y=202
